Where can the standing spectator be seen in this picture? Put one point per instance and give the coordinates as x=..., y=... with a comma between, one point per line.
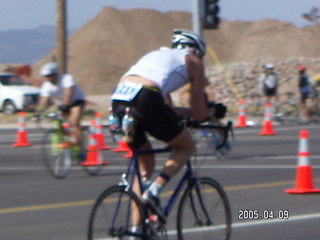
x=305, y=90
x=268, y=82
x=314, y=96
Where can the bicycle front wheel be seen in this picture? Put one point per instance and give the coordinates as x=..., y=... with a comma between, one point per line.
x=115, y=214
x=58, y=159
x=204, y=212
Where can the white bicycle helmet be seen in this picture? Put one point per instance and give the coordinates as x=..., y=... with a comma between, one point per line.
x=185, y=39
x=269, y=66
x=48, y=69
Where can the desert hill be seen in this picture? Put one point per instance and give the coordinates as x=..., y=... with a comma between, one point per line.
x=102, y=50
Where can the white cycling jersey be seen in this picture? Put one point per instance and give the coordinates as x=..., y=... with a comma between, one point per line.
x=165, y=67
x=64, y=81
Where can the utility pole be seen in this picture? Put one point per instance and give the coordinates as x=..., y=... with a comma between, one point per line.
x=61, y=41
x=197, y=15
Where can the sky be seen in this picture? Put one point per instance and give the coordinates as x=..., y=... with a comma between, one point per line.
x=27, y=14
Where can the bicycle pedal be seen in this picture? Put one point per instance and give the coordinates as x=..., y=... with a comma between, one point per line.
x=153, y=218
x=154, y=204
x=157, y=213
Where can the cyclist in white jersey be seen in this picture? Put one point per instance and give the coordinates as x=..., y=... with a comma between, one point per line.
x=143, y=89
x=63, y=90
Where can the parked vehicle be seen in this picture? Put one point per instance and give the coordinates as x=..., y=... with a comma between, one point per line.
x=16, y=94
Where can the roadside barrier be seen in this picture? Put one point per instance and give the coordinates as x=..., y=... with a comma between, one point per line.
x=242, y=119
x=22, y=135
x=267, y=128
x=304, y=173
x=99, y=135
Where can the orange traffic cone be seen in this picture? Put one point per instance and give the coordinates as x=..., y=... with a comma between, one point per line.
x=99, y=134
x=129, y=154
x=22, y=135
x=94, y=156
x=267, y=122
x=122, y=147
x=242, y=119
x=304, y=178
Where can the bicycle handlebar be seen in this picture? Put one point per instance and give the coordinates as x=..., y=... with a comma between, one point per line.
x=40, y=118
x=206, y=125
x=49, y=115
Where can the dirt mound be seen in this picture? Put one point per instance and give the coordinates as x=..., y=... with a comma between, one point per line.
x=105, y=47
x=101, y=51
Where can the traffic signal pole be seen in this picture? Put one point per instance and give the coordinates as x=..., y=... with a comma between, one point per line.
x=205, y=15
x=211, y=18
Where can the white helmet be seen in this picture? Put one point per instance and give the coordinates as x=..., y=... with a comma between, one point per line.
x=269, y=66
x=49, y=69
x=183, y=38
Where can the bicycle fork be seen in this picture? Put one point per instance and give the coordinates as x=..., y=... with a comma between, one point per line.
x=203, y=208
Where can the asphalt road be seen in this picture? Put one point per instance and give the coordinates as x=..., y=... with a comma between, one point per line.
x=35, y=206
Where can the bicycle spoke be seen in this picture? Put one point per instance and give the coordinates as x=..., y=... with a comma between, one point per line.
x=111, y=217
x=204, y=212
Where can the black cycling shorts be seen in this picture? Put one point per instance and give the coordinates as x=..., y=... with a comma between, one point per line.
x=152, y=116
x=80, y=103
x=303, y=97
x=270, y=92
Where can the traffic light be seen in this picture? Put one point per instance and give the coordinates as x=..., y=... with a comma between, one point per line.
x=211, y=10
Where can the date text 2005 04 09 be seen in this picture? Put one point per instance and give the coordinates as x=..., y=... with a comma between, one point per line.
x=255, y=214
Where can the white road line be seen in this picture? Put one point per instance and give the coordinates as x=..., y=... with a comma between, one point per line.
x=277, y=129
x=124, y=167
x=249, y=223
x=262, y=222
x=273, y=221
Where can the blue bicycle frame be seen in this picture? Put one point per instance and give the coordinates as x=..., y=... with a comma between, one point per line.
x=133, y=170
x=189, y=177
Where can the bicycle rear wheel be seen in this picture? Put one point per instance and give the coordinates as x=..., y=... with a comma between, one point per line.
x=111, y=216
x=204, y=212
x=58, y=159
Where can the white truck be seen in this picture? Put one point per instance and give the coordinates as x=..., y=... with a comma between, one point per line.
x=16, y=94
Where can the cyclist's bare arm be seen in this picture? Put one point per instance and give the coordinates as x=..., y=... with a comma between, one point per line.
x=180, y=111
x=198, y=81
x=198, y=110
x=42, y=105
x=68, y=95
